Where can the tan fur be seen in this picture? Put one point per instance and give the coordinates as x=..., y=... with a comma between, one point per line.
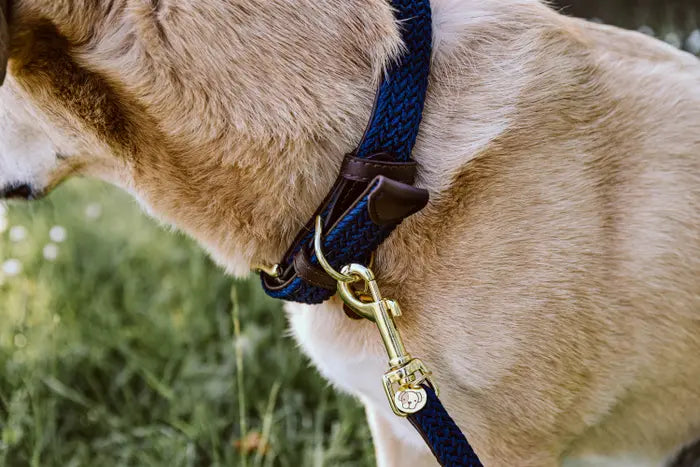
x=552, y=282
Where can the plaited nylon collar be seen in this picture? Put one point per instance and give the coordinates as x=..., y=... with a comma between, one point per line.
x=353, y=233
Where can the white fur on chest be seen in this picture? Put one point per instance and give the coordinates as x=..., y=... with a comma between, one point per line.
x=350, y=355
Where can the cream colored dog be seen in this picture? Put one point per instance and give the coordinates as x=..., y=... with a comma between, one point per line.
x=553, y=282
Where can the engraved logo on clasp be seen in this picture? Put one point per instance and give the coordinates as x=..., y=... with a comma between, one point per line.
x=410, y=400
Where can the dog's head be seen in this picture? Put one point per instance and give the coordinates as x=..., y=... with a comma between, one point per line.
x=199, y=108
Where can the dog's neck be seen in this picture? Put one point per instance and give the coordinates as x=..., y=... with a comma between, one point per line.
x=274, y=109
x=288, y=163
x=269, y=143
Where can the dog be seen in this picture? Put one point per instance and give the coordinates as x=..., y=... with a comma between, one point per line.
x=552, y=284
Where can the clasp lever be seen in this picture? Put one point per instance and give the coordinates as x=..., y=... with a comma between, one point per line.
x=403, y=382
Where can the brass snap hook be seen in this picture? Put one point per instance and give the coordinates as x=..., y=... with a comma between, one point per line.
x=364, y=305
x=403, y=382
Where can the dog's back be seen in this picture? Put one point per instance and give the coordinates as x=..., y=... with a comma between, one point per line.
x=567, y=239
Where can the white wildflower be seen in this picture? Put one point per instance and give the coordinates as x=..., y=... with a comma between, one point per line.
x=12, y=267
x=18, y=233
x=93, y=210
x=58, y=234
x=647, y=30
x=673, y=39
x=50, y=252
x=693, y=42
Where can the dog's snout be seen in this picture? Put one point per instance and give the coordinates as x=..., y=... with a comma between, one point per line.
x=17, y=191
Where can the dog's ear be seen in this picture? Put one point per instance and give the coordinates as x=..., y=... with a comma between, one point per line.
x=4, y=38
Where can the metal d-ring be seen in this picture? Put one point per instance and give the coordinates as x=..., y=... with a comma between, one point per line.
x=318, y=248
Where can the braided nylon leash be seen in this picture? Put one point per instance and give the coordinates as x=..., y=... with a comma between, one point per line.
x=393, y=129
x=442, y=435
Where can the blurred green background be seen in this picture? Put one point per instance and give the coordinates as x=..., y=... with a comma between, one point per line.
x=680, y=16
x=674, y=21
x=122, y=344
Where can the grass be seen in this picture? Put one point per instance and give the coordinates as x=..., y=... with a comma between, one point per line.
x=132, y=348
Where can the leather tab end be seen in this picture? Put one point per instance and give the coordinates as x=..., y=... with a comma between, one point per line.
x=312, y=273
x=366, y=170
x=390, y=201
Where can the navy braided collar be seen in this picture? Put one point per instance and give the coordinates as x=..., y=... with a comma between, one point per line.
x=373, y=192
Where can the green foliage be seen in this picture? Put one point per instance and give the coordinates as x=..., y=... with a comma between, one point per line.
x=124, y=350
x=681, y=15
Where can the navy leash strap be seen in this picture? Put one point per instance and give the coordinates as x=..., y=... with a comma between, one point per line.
x=373, y=193
x=442, y=435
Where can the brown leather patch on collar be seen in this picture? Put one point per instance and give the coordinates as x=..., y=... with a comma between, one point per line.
x=366, y=170
x=312, y=273
x=390, y=201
